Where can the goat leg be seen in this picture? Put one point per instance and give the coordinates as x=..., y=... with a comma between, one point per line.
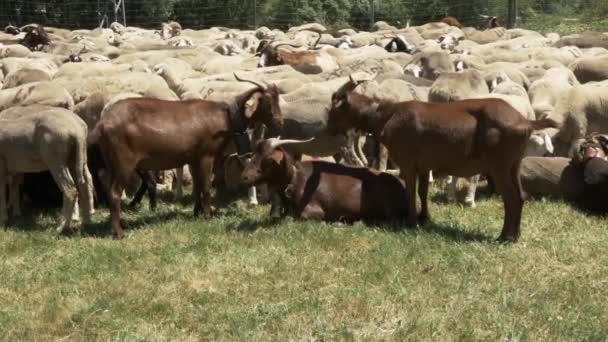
x=423, y=191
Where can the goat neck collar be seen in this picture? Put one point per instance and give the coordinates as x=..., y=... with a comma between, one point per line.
x=238, y=129
x=238, y=122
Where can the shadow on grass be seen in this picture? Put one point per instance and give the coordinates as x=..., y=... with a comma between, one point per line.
x=251, y=225
x=457, y=234
x=102, y=229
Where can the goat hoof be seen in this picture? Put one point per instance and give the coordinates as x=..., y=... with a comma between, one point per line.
x=119, y=236
x=504, y=239
x=470, y=204
x=423, y=220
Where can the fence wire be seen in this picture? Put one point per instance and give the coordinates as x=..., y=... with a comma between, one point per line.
x=249, y=14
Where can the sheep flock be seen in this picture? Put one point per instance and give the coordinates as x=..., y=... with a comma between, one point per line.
x=56, y=84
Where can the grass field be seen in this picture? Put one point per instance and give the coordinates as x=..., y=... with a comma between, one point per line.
x=241, y=277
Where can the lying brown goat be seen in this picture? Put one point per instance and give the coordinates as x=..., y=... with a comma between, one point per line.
x=323, y=190
x=305, y=61
x=452, y=21
x=461, y=138
x=149, y=134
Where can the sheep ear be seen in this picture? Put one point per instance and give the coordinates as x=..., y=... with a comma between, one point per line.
x=548, y=143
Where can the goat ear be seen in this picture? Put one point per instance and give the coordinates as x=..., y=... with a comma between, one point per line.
x=548, y=143
x=251, y=105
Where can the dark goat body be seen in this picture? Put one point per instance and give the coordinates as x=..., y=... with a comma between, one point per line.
x=327, y=191
x=461, y=138
x=142, y=134
x=35, y=38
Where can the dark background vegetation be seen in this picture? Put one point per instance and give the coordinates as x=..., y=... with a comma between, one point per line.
x=561, y=15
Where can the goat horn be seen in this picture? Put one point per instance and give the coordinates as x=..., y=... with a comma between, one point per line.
x=261, y=86
x=288, y=44
x=314, y=46
x=277, y=142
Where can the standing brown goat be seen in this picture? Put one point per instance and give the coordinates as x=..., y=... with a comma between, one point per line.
x=149, y=134
x=461, y=138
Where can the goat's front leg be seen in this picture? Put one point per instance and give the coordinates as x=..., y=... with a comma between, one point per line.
x=207, y=172
x=409, y=177
x=423, y=191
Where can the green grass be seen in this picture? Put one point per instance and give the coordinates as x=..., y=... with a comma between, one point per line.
x=240, y=277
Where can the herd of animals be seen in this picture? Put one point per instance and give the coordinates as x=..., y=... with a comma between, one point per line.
x=316, y=116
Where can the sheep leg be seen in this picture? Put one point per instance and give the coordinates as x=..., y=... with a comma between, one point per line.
x=66, y=184
x=360, y=141
x=382, y=157
x=90, y=192
x=85, y=200
x=252, y=195
x=509, y=186
x=431, y=179
x=179, y=178
x=423, y=191
x=471, y=189
x=451, y=190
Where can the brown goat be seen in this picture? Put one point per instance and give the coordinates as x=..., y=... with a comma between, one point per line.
x=140, y=134
x=326, y=191
x=305, y=61
x=451, y=21
x=461, y=138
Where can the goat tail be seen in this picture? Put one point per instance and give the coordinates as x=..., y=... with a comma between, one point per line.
x=94, y=135
x=536, y=125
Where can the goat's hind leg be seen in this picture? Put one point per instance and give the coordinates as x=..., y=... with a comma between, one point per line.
x=508, y=185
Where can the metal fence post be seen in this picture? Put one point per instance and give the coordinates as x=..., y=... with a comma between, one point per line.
x=512, y=14
x=373, y=10
x=255, y=14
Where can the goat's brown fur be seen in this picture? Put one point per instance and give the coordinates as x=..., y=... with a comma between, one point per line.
x=327, y=191
x=461, y=138
x=452, y=21
x=149, y=134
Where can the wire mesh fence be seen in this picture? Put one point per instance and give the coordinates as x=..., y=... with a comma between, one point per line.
x=248, y=14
